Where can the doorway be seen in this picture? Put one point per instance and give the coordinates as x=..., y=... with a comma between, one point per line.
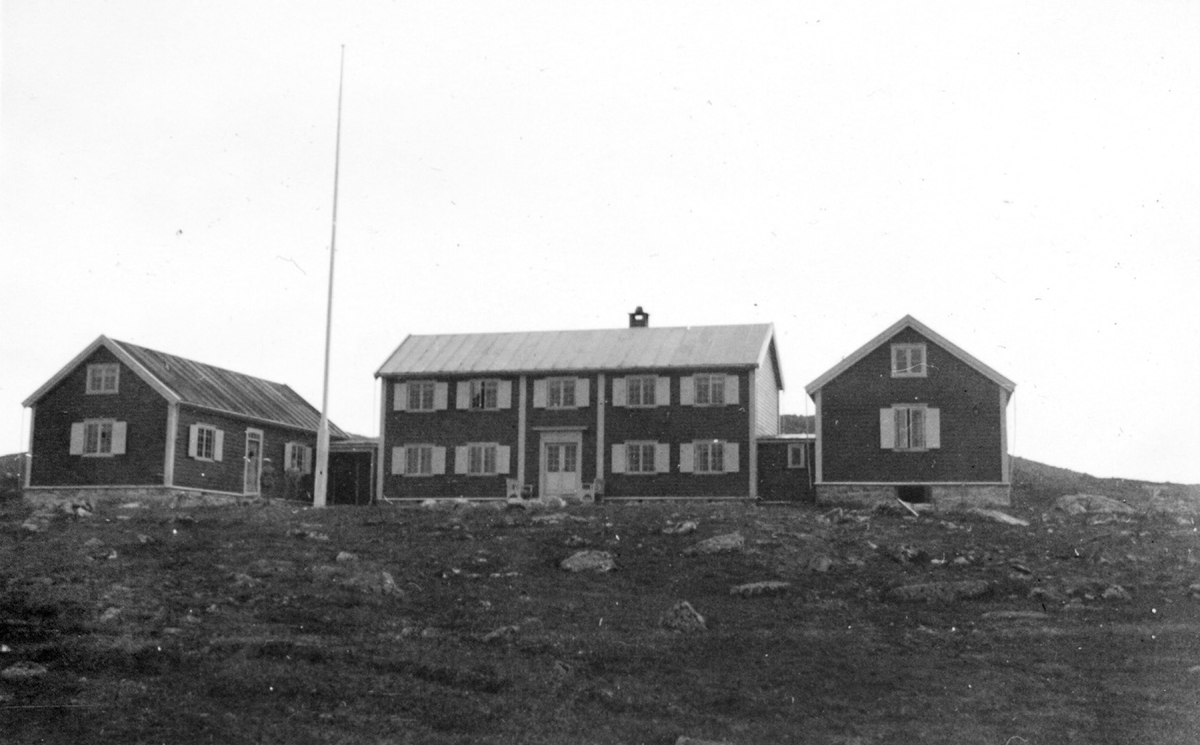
x=252, y=475
x=560, y=462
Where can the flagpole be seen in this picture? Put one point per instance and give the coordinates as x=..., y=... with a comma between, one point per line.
x=321, y=477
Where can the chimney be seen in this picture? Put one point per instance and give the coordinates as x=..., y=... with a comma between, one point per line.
x=639, y=319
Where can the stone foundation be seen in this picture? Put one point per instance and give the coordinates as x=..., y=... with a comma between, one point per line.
x=147, y=495
x=941, y=496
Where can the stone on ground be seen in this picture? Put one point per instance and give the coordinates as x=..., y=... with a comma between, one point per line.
x=768, y=587
x=589, y=561
x=683, y=617
x=1000, y=517
x=932, y=592
x=23, y=671
x=681, y=528
x=1078, y=504
x=717, y=544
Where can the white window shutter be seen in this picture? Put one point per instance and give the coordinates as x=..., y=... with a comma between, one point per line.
x=219, y=445
x=581, y=392
x=504, y=394
x=539, y=393
x=288, y=448
x=732, y=389
x=400, y=397
x=662, y=456
x=118, y=438
x=398, y=460
x=192, y=430
x=439, y=460
x=687, y=457
x=462, y=397
x=887, y=429
x=619, y=397
x=76, y=438
x=441, y=396
x=731, y=457
x=308, y=459
x=687, y=391
x=460, y=459
x=503, y=458
x=933, y=428
x=618, y=457
x=662, y=391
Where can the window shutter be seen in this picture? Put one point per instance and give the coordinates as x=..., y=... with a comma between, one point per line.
x=439, y=460
x=76, y=438
x=118, y=440
x=687, y=391
x=400, y=397
x=504, y=394
x=731, y=389
x=219, y=445
x=687, y=456
x=662, y=391
x=619, y=392
x=731, y=457
x=662, y=456
x=933, y=428
x=441, y=396
x=887, y=429
x=398, y=460
x=288, y=448
x=308, y=458
x=191, y=440
x=539, y=393
x=460, y=459
x=503, y=458
x=462, y=397
x=618, y=457
x=581, y=392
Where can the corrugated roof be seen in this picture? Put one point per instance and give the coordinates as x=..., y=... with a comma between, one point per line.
x=215, y=388
x=601, y=349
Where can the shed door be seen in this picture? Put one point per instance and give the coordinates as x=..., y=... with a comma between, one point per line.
x=253, y=470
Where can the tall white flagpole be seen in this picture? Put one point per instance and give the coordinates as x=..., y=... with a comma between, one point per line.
x=321, y=477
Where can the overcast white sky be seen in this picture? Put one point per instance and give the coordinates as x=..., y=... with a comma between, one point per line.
x=1022, y=177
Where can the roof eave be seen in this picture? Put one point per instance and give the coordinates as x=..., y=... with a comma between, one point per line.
x=120, y=353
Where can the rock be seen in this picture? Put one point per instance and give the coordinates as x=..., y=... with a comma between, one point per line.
x=1077, y=504
x=683, y=617
x=905, y=554
x=681, y=528
x=504, y=633
x=548, y=502
x=376, y=583
x=445, y=504
x=23, y=671
x=93, y=542
x=1016, y=615
x=1194, y=590
x=768, y=587
x=111, y=614
x=244, y=580
x=819, y=563
x=35, y=525
x=575, y=541
x=717, y=544
x=1000, y=517
x=1046, y=594
x=1116, y=592
x=589, y=561
x=346, y=556
x=944, y=592
x=144, y=539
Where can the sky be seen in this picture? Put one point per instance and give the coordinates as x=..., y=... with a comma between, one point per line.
x=1022, y=177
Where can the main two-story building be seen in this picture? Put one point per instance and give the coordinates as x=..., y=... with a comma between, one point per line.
x=636, y=412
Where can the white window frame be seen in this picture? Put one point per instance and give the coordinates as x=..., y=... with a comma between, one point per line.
x=420, y=393
x=420, y=455
x=206, y=434
x=645, y=387
x=713, y=451
x=478, y=454
x=905, y=363
x=907, y=426
x=560, y=393
x=94, y=443
x=645, y=459
x=479, y=391
x=708, y=388
x=298, y=458
x=104, y=378
x=802, y=449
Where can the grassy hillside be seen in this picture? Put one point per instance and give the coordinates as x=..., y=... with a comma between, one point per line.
x=1037, y=485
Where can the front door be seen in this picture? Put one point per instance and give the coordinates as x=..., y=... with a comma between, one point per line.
x=560, y=463
x=253, y=471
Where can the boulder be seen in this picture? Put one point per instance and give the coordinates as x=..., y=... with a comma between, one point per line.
x=717, y=544
x=23, y=671
x=1078, y=504
x=681, y=528
x=768, y=587
x=346, y=556
x=940, y=592
x=589, y=561
x=683, y=617
x=504, y=633
x=1000, y=517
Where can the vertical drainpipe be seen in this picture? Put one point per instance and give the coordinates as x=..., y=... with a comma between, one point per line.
x=752, y=411
x=169, y=450
x=600, y=446
x=522, y=414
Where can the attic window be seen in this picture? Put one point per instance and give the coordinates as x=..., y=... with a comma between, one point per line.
x=908, y=361
x=103, y=378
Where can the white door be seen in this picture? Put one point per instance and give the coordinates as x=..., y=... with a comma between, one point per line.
x=253, y=472
x=560, y=463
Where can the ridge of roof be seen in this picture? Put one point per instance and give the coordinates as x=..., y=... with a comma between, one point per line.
x=909, y=321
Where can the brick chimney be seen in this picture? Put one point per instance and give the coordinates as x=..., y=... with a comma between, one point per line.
x=639, y=319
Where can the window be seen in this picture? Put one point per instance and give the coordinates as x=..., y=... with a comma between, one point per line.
x=483, y=394
x=797, y=455
x=103, y=378
x=640, y=390
x=910, y=428
x=709, y=457
x=639, y=457
x=481, y=459
x=97, y=438
x=710, y=390
x=421, y=395
x=908, y=361
x=418, y=460
x=206, y=442
x=560, y=393
x=297, y=458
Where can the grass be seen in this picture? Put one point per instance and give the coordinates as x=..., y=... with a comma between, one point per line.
x=240, y=625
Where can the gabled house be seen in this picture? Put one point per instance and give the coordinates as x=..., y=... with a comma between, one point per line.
x=635, y=412
x=911, y=415
x=123, y=416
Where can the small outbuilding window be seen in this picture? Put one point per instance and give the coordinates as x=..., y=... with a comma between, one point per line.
x=103, y=378
x=797, y=455
x=908, y=361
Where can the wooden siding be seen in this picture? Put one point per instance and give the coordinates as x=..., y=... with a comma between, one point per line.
x=137, y=404
x=971, y=424
x=766, y=399
x=540, y=419
x=778, y=482
x=228, y=474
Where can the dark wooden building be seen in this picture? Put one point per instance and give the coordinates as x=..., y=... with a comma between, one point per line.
x=120, y=416
x=637, y=412
x=911, y=415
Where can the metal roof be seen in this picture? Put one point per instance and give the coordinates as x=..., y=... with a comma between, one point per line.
x=640, y=348
x=185, y=381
